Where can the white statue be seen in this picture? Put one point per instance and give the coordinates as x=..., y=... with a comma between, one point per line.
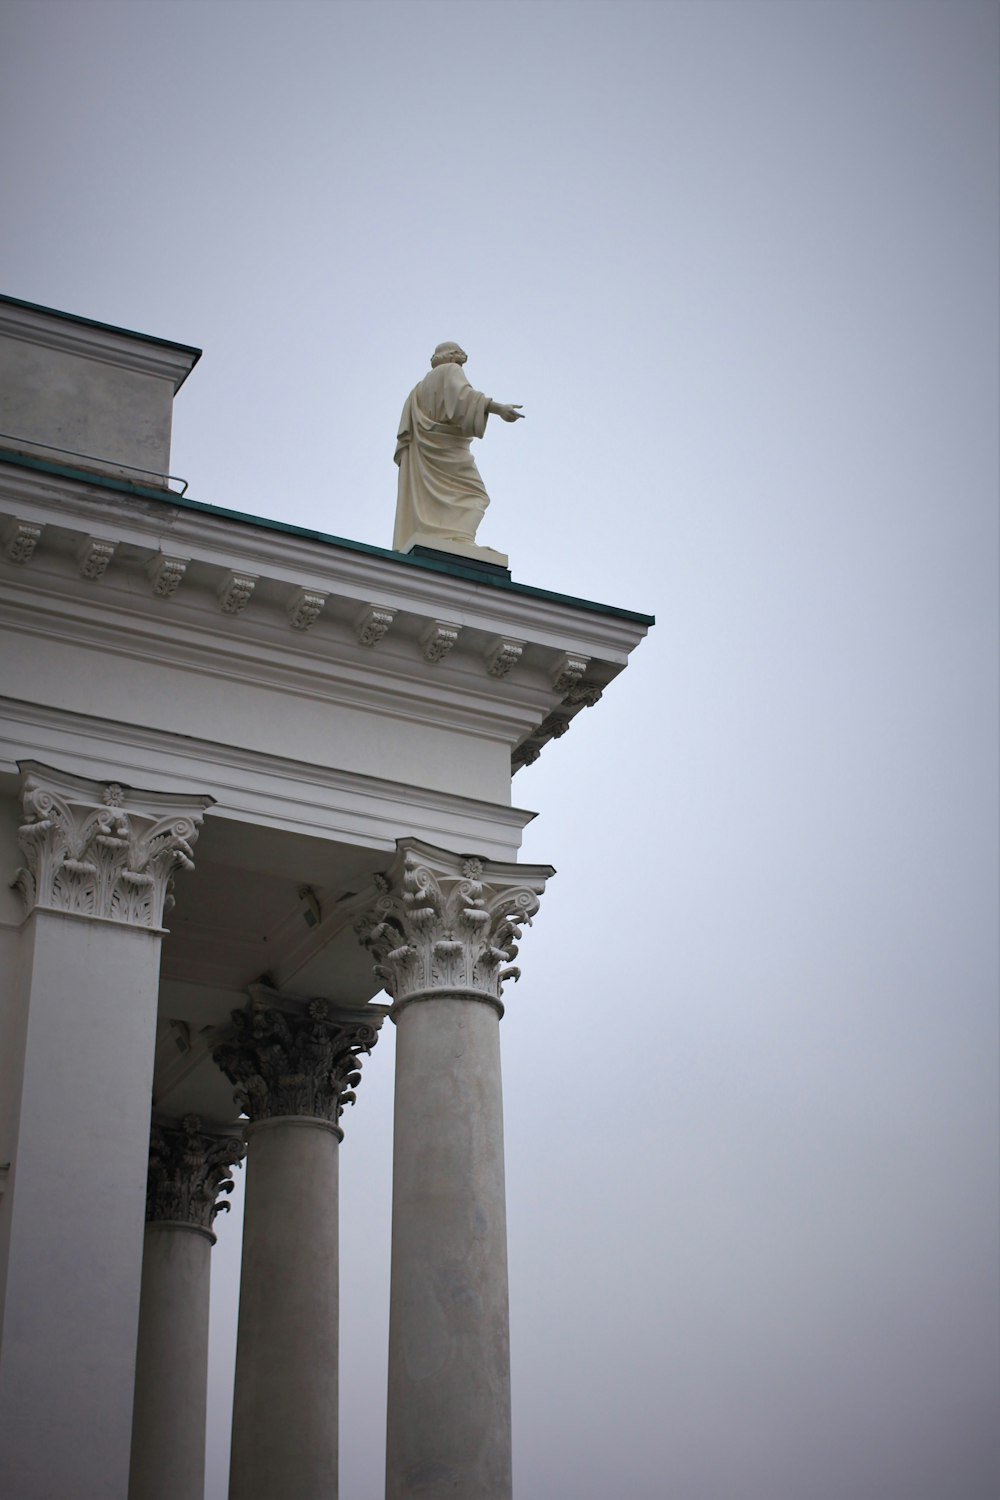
x=441, y=496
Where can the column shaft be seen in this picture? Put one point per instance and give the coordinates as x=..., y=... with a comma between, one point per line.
x=449, y=1357
x=171, y=1378
x=443, y=930
x=74, y=1206
x=285, y=1402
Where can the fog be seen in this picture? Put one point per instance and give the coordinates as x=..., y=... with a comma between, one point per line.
x=739, y=263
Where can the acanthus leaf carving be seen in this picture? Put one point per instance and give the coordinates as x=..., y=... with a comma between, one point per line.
x=372, y=624
x=99, y=850
x=235, y=592
x=305, y=608
x=22, y=539
x=443, y=924
x=438, y=639
x=294, y=1059
x=580, y=694
x=569, y=671
x=503, y=655
x=583, y=695
x=94, y=555
x=188, y=1169
x=166, y=573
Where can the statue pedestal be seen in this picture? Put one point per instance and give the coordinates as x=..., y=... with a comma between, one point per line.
x=425, y=545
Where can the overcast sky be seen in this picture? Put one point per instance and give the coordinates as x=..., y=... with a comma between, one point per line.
x=739, y=263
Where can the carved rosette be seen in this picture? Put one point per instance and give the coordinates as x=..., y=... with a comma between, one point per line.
x=188, y=1169
x=449, y=925
x=297, y=1062
x=101, y=850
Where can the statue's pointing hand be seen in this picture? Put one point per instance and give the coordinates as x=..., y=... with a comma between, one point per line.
x=509, y=413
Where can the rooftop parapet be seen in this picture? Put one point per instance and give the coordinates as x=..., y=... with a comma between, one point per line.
x=79, y=391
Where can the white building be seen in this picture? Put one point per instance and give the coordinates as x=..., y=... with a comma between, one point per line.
x=246, y=771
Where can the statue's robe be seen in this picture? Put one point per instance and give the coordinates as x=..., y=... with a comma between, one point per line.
x=441, y=497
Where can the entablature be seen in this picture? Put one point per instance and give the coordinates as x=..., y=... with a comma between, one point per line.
x=225, y=596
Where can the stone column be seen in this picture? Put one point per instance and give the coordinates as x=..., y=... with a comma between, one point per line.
x=99, y=859
x=188, y=1168
x=296, y=1068
x=444, y=933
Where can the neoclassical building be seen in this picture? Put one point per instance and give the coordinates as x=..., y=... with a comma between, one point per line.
x=256, y=798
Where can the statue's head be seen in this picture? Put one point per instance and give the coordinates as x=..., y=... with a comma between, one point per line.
x=448, y=354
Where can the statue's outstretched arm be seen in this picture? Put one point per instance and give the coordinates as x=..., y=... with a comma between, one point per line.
x=508, y=413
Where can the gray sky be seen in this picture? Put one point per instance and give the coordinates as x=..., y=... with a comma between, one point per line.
x=739, y=262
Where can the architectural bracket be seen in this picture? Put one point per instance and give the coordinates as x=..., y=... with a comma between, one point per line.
x=235, y=591
x=94, y=555
x=438, y=639
x=502, y=655
x=21, y=540
x=305, y=607
x=165, y=574
x=372, y=624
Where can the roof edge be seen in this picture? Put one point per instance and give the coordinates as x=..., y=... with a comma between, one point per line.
x=398, y=559
x=128, y=333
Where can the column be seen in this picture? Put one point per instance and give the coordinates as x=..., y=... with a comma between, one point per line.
x=99, y=859
x=188, y=1168
x=443, y=933
x=296, y=1067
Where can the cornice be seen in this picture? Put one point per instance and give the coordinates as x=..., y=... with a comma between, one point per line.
x=111, y=346
x=234, y=543
x=208, y=594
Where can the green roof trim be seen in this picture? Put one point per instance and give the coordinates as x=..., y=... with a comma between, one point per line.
x=399, y=559
x=129, y=333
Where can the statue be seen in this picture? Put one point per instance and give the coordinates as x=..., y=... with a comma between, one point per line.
x=441, y=498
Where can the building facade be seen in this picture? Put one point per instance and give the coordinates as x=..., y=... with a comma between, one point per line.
x=255, y=786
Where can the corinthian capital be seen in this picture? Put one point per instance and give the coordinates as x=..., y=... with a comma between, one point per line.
x=100, y=849
x=289, y=1058
x=449, y=924
x=188, y=1169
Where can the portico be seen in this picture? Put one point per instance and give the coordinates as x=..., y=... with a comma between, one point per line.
x=238, y=760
